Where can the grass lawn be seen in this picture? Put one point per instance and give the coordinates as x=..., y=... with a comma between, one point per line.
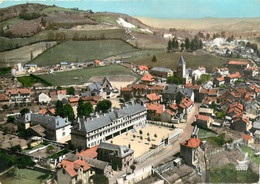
x=105, y=18
x=255, y=159
x=204, y=133
x=229, y=174
x=50, y=9
x=34, y=148
x=82, y=76
x=5, y=70
x=169, y=60
x=24, y=176
x=10, y=22
x=79, y=51
x=27, y=81
x=8, y=44
x=3, y=165
x=218, y=140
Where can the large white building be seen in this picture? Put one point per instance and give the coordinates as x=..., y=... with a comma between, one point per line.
x=92, y=131
x=44, y=98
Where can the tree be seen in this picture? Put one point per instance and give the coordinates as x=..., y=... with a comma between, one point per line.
x=208, y=36
x=178, y=98
x=174, y=80
x=187, y=43
x=182, y=46
x=141, y=132
x=127, y=97
x=31, y=55
x=68, y=112
x=220, y=115
x=16, y=148
x=204, y=78
x=103, y=105
x=59, y=88
x=24, y=111
x=155, y=135
x=59, y=108
x=169, y=45
x=154, y=59
x=99, y=179
x=133, y=167
x=84, y=109
x=10, y=119
x=50, y=149
x=70, y=91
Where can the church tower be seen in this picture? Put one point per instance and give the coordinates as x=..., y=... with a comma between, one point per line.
x=181, y=68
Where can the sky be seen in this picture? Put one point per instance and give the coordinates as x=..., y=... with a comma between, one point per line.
x=161, y=8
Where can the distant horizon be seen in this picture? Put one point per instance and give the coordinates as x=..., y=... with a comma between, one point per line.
x=166, y=9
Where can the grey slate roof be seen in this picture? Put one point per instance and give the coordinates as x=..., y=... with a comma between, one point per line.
x=181, y=61
x=87, y=93
x=104, y=80
x=171, y=89
x=46, y=121
x=161, y=69
x=256, y=125
x=187, y=92
x=94, y=86
x=119, y=151
x=88, y=125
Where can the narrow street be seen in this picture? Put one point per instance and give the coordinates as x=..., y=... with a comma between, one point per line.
x=168, y=152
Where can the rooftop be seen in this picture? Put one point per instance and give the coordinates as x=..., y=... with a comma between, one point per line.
x=193, y=143
x=148, y=78
x=159, y=108
x=238, y=62
x=89, y=153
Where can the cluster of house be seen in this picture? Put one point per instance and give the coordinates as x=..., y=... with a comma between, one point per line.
x=223, y=47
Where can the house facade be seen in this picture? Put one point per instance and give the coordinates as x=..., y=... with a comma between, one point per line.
x=161, y=72
x=19, y=95
x=44, y=98
x=92, y=131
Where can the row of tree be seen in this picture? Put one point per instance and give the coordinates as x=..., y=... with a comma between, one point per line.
x=83, y=109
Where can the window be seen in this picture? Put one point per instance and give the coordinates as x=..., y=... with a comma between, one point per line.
x=63, y=133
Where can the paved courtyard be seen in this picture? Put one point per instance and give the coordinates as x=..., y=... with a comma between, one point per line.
x=141, y=143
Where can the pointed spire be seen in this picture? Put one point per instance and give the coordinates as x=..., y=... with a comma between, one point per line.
x=181, y=61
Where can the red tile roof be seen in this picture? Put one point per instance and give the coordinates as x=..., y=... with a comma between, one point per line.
x=190, y=85
x=203, y=117
x=185, y=103
x=251, y=68
x=235, y=75
x=148, y=78
x=215, y=69
x=221, y=79
x=224, y=69
x=159, y=108
x=171, y=112
x=255, y=88
x=42, y=111
x=192, y=143
x=74, y=99
x=89, y=153
x=64, y=92
x=143, y=67
x=18, y=91
x=140, y=86
x=52, y=110
x=153, y=97
x=247, y=137
x=236, y=104
x=157, y=88
x=97, y=61
x=3, y=97
x=208, y=100
x=173, y=107
x=213, y=91
x=129, y=89
x=243, y=119
x=202, y=67
x=204, y=91
x=72, y=167
x=238, y=62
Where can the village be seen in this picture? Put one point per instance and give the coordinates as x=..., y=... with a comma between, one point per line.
x=166, y=126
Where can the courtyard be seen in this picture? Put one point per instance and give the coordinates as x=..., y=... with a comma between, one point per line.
x=143, y=139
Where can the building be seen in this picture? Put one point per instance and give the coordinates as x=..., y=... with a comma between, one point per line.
x=19, y=95
x=191, y=150
x=238, y=64
x=169, y=93
x=92, y=131
x=240, y=124
x=73, y=172
x=57, y=128
x=140, y=90
x=182, y=72
x=232, y=77
x=154, y=111
x=120, y=157
x=161, y=72
x=248, y=139
x=148, y=79
x=219, y=81
x=143, y=69
x=186, y=105
x=153, y=98
x=251, y=72
x=204, y=120
x=44, y=98
x=126, y=91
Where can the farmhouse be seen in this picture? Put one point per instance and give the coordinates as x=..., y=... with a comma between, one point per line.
x=238, y=64
x=92, y=131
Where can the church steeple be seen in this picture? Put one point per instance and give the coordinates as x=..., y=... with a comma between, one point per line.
x=181, y=68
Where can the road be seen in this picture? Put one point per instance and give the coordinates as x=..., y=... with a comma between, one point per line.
x=168, y=152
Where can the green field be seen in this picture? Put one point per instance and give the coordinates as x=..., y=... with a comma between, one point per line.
x=24, y=176
x=204, y=133
x=253, y=158
x=10, y=22
x=27, y=81
x=105, y=18
x=80, y=51
x=169, y=60
x=47, y=35
x=229, y=174
x=83, y=76
x=50, y=9
x=217, y=140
